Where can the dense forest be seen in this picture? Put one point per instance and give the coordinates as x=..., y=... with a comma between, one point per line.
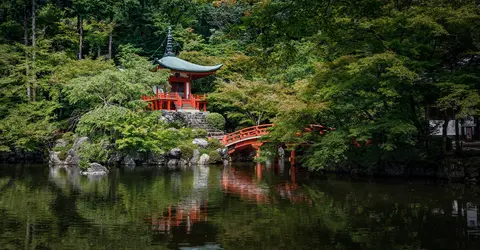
x=374, y=70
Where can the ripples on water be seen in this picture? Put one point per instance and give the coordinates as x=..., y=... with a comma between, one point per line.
x=230, y=207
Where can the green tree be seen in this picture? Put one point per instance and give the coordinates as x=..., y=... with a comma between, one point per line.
x=248, y=102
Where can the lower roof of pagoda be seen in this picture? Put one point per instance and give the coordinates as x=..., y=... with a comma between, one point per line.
x=177, y=64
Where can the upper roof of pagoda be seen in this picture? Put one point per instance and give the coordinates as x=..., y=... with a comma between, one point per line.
x=177, y=64
x=170, y=61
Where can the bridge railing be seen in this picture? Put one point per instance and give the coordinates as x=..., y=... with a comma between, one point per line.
x=246, y=133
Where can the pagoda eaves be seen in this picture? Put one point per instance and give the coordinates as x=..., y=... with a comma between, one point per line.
x=176, y=64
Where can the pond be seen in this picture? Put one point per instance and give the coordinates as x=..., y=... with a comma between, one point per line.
x=240, y=206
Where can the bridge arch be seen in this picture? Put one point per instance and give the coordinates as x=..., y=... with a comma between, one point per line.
x=245, y=137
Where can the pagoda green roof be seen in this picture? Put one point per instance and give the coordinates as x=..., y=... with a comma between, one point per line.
x=175, y=63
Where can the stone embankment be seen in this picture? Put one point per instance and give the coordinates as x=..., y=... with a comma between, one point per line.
x=197, y=120
x=173, y=159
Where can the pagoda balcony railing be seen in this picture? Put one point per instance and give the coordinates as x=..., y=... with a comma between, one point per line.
x=166, y=101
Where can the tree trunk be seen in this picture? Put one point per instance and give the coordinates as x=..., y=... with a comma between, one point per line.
x=98, y=51
x=33, y=93
x=80, y=34
x=25, y=42
x=457, y=136
x=110, y=39
x=445, y=131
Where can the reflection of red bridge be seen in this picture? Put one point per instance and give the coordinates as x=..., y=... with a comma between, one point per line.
x=238, y=182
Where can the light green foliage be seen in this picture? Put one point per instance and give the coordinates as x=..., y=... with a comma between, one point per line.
x=143, y=132
x=102, y=121
x=122, y=86
x=248, y=102
x=131, y=131
x=27, y=127
x=216, y=120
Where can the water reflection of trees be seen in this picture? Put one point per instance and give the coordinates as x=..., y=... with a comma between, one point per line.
x=353, y=215
x=54, y=208
x=79, y=212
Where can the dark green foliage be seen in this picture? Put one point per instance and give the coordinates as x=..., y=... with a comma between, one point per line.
x=93, y=152
x=187, y=151
x=216, y=120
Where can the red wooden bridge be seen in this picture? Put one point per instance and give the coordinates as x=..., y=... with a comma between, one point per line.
x=245, y=137
x=249, y=137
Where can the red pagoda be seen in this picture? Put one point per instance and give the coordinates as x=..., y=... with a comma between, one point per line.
x=180, y=96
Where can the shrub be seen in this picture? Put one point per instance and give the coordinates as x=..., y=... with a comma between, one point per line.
x=69, y=137
x=200, y=133
x=216, y=120
x=215, y=157
x=214, y=144
x=187, y=152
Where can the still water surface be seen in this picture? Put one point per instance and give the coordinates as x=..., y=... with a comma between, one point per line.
x=230, y=207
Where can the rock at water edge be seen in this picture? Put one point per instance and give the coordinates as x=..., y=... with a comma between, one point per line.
x=204, y=159
x=54, y=159
x=72, y=154
x=95, y=169
x=175, y=153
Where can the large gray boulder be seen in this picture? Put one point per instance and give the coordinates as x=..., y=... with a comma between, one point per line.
x=175, y=153
x=204, y=159
x=95, y=169
x=200, y=142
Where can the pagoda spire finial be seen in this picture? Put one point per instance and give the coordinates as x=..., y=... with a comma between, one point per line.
x=169, y=48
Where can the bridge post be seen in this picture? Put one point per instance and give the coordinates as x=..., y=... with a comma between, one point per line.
x=224, y=140
x=293, y=155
